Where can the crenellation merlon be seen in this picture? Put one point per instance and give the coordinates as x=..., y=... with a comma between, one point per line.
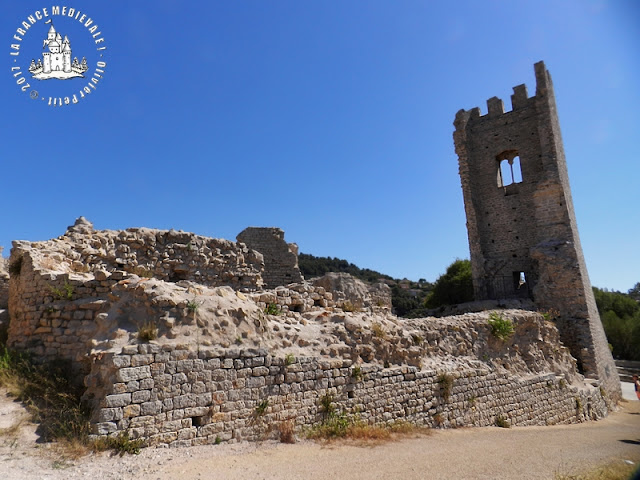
x=520, y=97
x=495, y=106
x=543, y=79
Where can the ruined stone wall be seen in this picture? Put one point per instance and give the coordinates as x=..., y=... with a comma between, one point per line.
x=170, y=396
x=168, y=255
x=63, y=285
x=526, y=230
x=280, y=258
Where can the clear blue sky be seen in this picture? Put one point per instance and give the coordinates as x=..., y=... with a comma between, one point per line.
x=332, y=120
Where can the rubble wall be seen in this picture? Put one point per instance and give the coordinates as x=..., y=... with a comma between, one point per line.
x=171, y=396
x=280, y=258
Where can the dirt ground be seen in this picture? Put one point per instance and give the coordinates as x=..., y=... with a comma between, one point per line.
x=466, y=453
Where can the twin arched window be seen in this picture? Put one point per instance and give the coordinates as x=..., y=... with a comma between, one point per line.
x=509, y=168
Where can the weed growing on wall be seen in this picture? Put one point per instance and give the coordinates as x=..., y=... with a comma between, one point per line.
x=193, y=306
x=261, y=409
x=272, y=309
x=147, y=332
x=66, y=292
x=501, y=328
x=289, y=359
x=445, y=381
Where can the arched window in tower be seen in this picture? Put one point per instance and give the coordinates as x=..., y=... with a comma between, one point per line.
x=509, y=171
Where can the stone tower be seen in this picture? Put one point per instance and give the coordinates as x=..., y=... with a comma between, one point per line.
x=522, y=229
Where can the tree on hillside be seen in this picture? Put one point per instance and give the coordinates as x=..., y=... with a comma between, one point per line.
x=620, y=315
x=453, y=287
x=635, y=292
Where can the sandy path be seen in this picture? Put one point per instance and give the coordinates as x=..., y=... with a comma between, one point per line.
x=487, y=453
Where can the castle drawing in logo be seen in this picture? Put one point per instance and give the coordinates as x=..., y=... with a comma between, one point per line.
x=56, y=59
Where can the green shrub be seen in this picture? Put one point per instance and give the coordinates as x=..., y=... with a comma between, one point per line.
x=261, y=409
x=326, y=405
x=501, y=327
x=272, y=309
x=193, y=306
x=65, y=292
x=454, y=287
x=289, y=359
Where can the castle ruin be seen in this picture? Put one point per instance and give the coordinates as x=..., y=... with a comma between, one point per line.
x=521, y=223
x=184, y=340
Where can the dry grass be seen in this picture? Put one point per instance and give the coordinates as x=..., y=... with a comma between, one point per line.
x=618, y=470
x=378, y=331
x=52, y=400
x=340, y=427
x=147, y=331
x=287, y=432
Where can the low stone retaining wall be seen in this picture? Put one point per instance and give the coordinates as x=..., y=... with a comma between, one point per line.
x=172, y=396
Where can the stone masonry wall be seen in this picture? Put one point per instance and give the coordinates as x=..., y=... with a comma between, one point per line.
x=280, y=258
x=527, y=230
x=171, y=396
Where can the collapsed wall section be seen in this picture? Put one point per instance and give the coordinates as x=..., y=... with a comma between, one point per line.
x=280, y=258
x=523, y=234
x=171, y=396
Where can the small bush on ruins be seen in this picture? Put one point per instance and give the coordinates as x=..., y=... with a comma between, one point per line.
x=147, y=332
x=501, y=328
x=193, y=306
x=326, y=405
x=272, y=309
x=289, y=359
x=445, y=381
x=261, y=409
x=356, y=373
x=65, y=292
